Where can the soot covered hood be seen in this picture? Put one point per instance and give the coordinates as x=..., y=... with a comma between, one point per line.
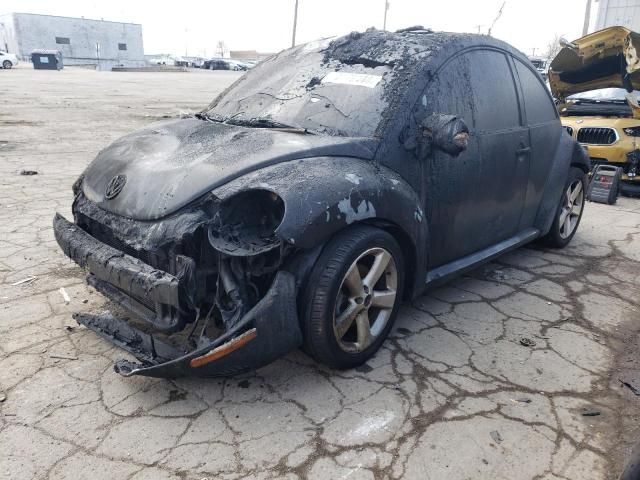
x=155, y=171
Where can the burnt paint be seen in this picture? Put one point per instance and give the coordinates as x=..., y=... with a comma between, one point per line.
x=325, y=195
x=274, y=317
x=171, y=164
x=569, y=154
x=328, y=182
x=114, y=266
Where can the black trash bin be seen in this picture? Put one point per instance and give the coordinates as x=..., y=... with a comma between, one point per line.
x=47, y=59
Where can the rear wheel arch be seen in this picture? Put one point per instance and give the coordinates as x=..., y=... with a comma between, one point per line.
x=581, y=166
x=580, y=158
x=555, y=237
x=570, y=154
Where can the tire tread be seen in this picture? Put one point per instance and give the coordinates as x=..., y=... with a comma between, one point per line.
x=318, y=298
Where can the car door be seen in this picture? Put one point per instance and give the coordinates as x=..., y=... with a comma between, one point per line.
x=475, y=200
x=544, y=127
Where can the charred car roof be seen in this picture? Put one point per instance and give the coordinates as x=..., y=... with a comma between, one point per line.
x=344, y=86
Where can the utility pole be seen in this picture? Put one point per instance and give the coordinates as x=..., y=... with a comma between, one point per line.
x=386, y=8
x=587, y=18
x=295, y=24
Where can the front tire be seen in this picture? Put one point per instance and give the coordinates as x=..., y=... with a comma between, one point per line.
x=569, y=213
x=7, y=64
x=352, y=297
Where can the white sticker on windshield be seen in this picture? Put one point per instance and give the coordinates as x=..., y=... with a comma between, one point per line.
x=359, y=79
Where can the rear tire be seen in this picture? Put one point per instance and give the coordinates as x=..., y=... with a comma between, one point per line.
x=352, y=297
x=569, y=213
x=7, y=64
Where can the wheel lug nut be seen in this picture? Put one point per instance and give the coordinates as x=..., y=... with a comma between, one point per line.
x=359, y=300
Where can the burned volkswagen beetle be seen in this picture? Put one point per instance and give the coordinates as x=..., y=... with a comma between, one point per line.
x=314, y=194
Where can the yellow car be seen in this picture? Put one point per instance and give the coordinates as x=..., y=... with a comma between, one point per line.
x=596, y=81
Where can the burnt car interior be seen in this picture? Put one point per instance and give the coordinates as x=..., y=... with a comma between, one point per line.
x=213, y=235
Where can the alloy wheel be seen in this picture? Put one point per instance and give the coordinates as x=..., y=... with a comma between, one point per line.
x=365, y=300
x=572, y=206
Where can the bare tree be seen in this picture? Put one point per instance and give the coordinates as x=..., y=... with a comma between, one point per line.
x=553, y=47
x=497, y=18
x=221, y=47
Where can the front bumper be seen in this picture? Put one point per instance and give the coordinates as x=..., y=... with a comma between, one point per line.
x=631, y=188
x=115, y=267
x=268, y=331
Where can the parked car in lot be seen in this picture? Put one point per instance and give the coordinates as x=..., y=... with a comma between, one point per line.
x=596, y=78
x=8, y=60
x=223, y=64
x=322, y=188
x=541, y=66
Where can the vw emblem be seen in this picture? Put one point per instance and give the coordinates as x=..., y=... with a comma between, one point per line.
x=115, y=186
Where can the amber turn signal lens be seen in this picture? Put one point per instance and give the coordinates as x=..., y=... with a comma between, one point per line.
x=225, y=349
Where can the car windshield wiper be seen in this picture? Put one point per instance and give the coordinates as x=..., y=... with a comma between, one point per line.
x=253, y=123
x=209, y=117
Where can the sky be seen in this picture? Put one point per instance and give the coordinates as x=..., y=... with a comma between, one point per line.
x=195, y=27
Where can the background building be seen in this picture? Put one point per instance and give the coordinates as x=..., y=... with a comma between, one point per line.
x=98, y=43
x=618, y=12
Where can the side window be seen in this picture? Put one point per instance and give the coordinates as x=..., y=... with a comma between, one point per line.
x=478, y=86
x=537, y=101
x=439, y=96
x=493, y=90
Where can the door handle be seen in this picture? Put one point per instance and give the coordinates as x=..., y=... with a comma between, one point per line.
x=523, y=150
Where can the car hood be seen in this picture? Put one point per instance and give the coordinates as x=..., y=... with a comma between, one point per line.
x=165, y=166
x=603, y=59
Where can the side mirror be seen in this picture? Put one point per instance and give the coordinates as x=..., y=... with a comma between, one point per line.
x=446, y=132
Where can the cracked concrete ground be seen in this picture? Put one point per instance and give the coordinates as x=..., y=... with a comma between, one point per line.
x=453, y=394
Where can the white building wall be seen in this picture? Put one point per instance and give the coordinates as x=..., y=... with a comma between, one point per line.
x=8, y=41
x=91, y=42
x=625, y=13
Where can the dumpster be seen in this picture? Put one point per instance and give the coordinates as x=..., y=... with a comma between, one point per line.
x=47, y=59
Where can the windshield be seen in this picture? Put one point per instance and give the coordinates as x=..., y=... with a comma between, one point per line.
x=604, y=95
x=300, y=89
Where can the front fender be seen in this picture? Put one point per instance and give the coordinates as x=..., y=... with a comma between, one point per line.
x=323, y=195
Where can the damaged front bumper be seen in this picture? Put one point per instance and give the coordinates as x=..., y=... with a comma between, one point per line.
x=266, y=332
